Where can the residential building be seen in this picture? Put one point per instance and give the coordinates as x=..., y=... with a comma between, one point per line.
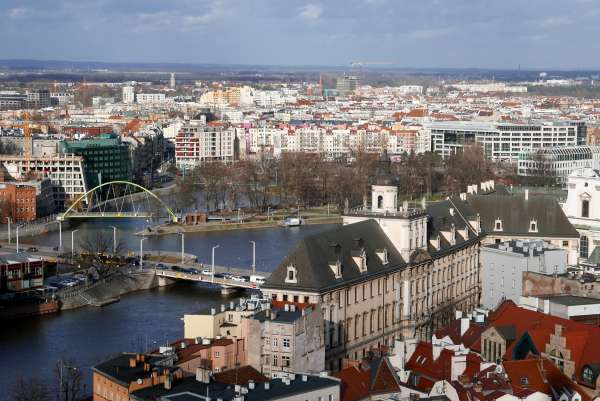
x=393, y=271
x=66, y=172
x=149, y=97
x=18, y=202
x=503, y=264
x=558, y=163
x=147, y=151
x=579, y=309
x=20, y=272
x=281, y=341
x=297, y=387
x=12, y=100
x=215, y=323
x=197, y=143
x=128, y=95
x=216, y=355
x=582, y=207
x=38, y=98
x=106, y=158
x=501, y=141
x=116, y=378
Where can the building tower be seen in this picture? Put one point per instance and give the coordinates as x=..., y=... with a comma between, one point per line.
x=172, y=82
x=128, y=95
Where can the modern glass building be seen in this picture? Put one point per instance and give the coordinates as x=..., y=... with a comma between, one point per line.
x=105, y=158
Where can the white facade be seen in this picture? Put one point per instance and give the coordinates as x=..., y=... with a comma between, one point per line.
x=197, y=142
x=559, y=162
x=500, y=141
x=150, y=97
x=128, y=94
x=502, y=267
x=582, y=208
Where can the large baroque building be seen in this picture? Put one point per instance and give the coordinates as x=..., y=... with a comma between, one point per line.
x=390, y=272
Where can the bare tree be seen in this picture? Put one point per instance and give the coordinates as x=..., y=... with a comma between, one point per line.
x=69, y=378
x=32, y=389
x=99, y=242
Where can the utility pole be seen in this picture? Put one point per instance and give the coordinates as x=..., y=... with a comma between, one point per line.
x=17, y=238
x=8, y=218
x=61, y=386
x=114, y=240
x=59, y=235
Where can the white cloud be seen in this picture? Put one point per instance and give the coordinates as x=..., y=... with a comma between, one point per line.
x=215, y=11
x=311, y=12
x=431, y=33
x=555, y=21
x=18, y=12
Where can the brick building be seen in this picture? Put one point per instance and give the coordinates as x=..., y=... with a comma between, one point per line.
x=17, y=202
x=20, y=272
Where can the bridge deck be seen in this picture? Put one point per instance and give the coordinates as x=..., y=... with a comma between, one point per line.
x=206, y=279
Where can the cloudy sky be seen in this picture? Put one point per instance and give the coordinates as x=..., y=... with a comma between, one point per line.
x=411, y=33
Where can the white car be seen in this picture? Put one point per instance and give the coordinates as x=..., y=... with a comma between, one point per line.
x=238, y=278
x=207, y=272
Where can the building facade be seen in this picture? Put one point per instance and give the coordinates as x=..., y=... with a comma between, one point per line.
x=197, y=143
x=389, y=272
x=501, y=141
x=503, y=265
x=18, y=202
x=558, y=163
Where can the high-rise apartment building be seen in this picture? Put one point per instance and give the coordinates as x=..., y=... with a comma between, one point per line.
x=128, y=94
x=198, y=142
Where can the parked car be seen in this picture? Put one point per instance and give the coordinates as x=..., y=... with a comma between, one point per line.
x=207, y=272
x=161, y=266
x=239, y=279
x=193, y=271
x=32, y=249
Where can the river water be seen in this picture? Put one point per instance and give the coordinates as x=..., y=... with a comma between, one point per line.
x=140, y=321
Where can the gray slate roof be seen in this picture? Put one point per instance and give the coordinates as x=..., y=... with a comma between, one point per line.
x=516, y=214
x=312, y=256
x=440, y=219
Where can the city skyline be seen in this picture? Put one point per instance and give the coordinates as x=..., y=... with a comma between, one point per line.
x=455, y=34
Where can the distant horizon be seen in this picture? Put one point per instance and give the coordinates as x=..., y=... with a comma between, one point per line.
x=349, y=67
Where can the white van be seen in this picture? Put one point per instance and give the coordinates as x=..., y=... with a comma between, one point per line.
x=257, y=279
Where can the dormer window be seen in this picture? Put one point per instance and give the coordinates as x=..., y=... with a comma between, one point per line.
x=291, y=275
x=382, y=254
x=533, y=227
x=336, y=268
x=498, y=225
x=360, y=259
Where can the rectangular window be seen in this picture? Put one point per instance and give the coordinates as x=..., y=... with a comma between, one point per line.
x=274, y=360
x=285, y=361
x=286, y=343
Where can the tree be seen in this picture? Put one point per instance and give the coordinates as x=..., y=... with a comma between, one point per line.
x=69, y=379
x=98, y=242
x=466, y=167
x=7, y=210
x=32, y=389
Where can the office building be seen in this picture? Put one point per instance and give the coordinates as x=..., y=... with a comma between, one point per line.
x=11, y=100
x=105, y=157
x=347, y=84
x=558, y=163
x=500, y=141
x=128, y=94
x=197, y=143
x=172, y=81
x=503, y=264
x=66, y=172
x=38, y=98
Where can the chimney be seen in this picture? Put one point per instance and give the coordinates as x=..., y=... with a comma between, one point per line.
x=286, y=307
x=138, y=357
x=464, y=325
x=222, y=308
x=146, y=367
x=292, y=308
x=423, y=203
x=527, y=194
x=132, y=362
x=304, y=378
x=451, y=210
x=251, y=385
x=273, y=315
x=183, y=345
x=232, y=305
x=168, y=381
x=213, y=311
x=203, y=375
x=267, y=386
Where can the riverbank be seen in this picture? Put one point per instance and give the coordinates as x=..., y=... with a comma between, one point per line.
x=107, y=290
x=167, y=229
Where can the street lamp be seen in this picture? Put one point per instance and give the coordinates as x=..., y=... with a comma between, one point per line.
x=59, y=235
x=17, y=238
x=213, y=263
x=114, y=240
x=61, y=389
x=253, y=257
x=72, y=244
x=142, y=251
x=8, y=218
x=182, y=247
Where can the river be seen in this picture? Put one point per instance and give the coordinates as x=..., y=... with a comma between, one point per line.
x=141, y=320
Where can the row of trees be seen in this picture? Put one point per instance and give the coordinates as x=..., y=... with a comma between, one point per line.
x=69, y=385
x=309, y=180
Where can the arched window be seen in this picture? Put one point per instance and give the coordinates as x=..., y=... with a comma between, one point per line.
x=585, y=208
x=588, y=375
x=583, y=246
x=379, y=202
